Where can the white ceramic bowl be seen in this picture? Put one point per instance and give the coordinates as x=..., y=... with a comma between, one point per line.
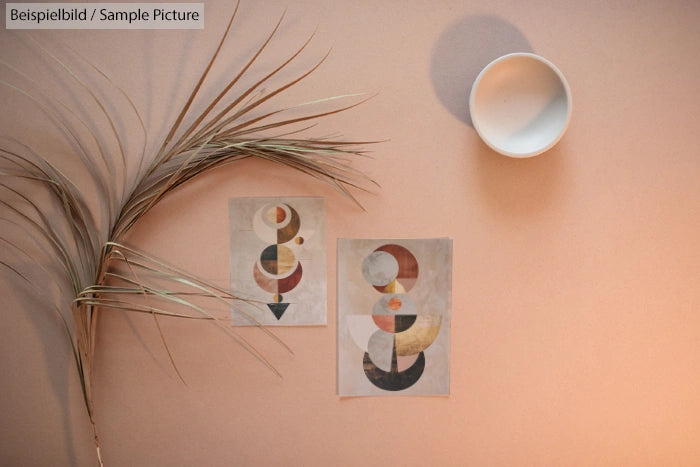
x=520, y=105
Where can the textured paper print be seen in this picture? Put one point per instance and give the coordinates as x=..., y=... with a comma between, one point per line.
x=394, y=302
x=278, y=256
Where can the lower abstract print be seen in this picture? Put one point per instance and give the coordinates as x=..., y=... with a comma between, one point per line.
x=394, y=300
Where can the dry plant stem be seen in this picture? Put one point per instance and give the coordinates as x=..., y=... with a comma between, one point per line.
x=89, y=252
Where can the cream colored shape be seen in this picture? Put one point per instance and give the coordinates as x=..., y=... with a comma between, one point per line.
x=286, y=261
x=361, y=328
x=262, y=229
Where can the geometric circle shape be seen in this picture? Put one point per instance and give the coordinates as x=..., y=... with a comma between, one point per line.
x=407, y=272
x=285, y=284
x=277, y=285
x=277, y=259
x=281, y=215
x=394, y=303
x=381, y=349
x=266, y=283
x=520, y=105
x=276, y=223
x=386, y=305
x=275, y=215
x=394, y=379
x=380, y=268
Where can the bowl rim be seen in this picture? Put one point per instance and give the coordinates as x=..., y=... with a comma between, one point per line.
x=562, y=80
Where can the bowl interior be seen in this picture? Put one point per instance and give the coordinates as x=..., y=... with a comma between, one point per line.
x=520, y=105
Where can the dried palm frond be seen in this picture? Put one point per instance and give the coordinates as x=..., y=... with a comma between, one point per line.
x=89, y=247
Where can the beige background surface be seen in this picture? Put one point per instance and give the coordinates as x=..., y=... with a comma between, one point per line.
x=576, y=297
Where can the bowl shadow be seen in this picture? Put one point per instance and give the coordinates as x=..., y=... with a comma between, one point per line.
x=463, y=50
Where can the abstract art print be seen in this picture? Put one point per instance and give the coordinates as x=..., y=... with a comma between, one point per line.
x=278, y=259
x=394, y=304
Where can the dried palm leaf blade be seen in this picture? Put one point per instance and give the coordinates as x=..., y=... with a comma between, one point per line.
x=85, y=251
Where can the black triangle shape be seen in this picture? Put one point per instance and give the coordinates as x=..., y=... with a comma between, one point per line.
x=278, y=309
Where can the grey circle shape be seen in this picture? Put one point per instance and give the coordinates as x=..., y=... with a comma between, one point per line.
x=380, y=268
